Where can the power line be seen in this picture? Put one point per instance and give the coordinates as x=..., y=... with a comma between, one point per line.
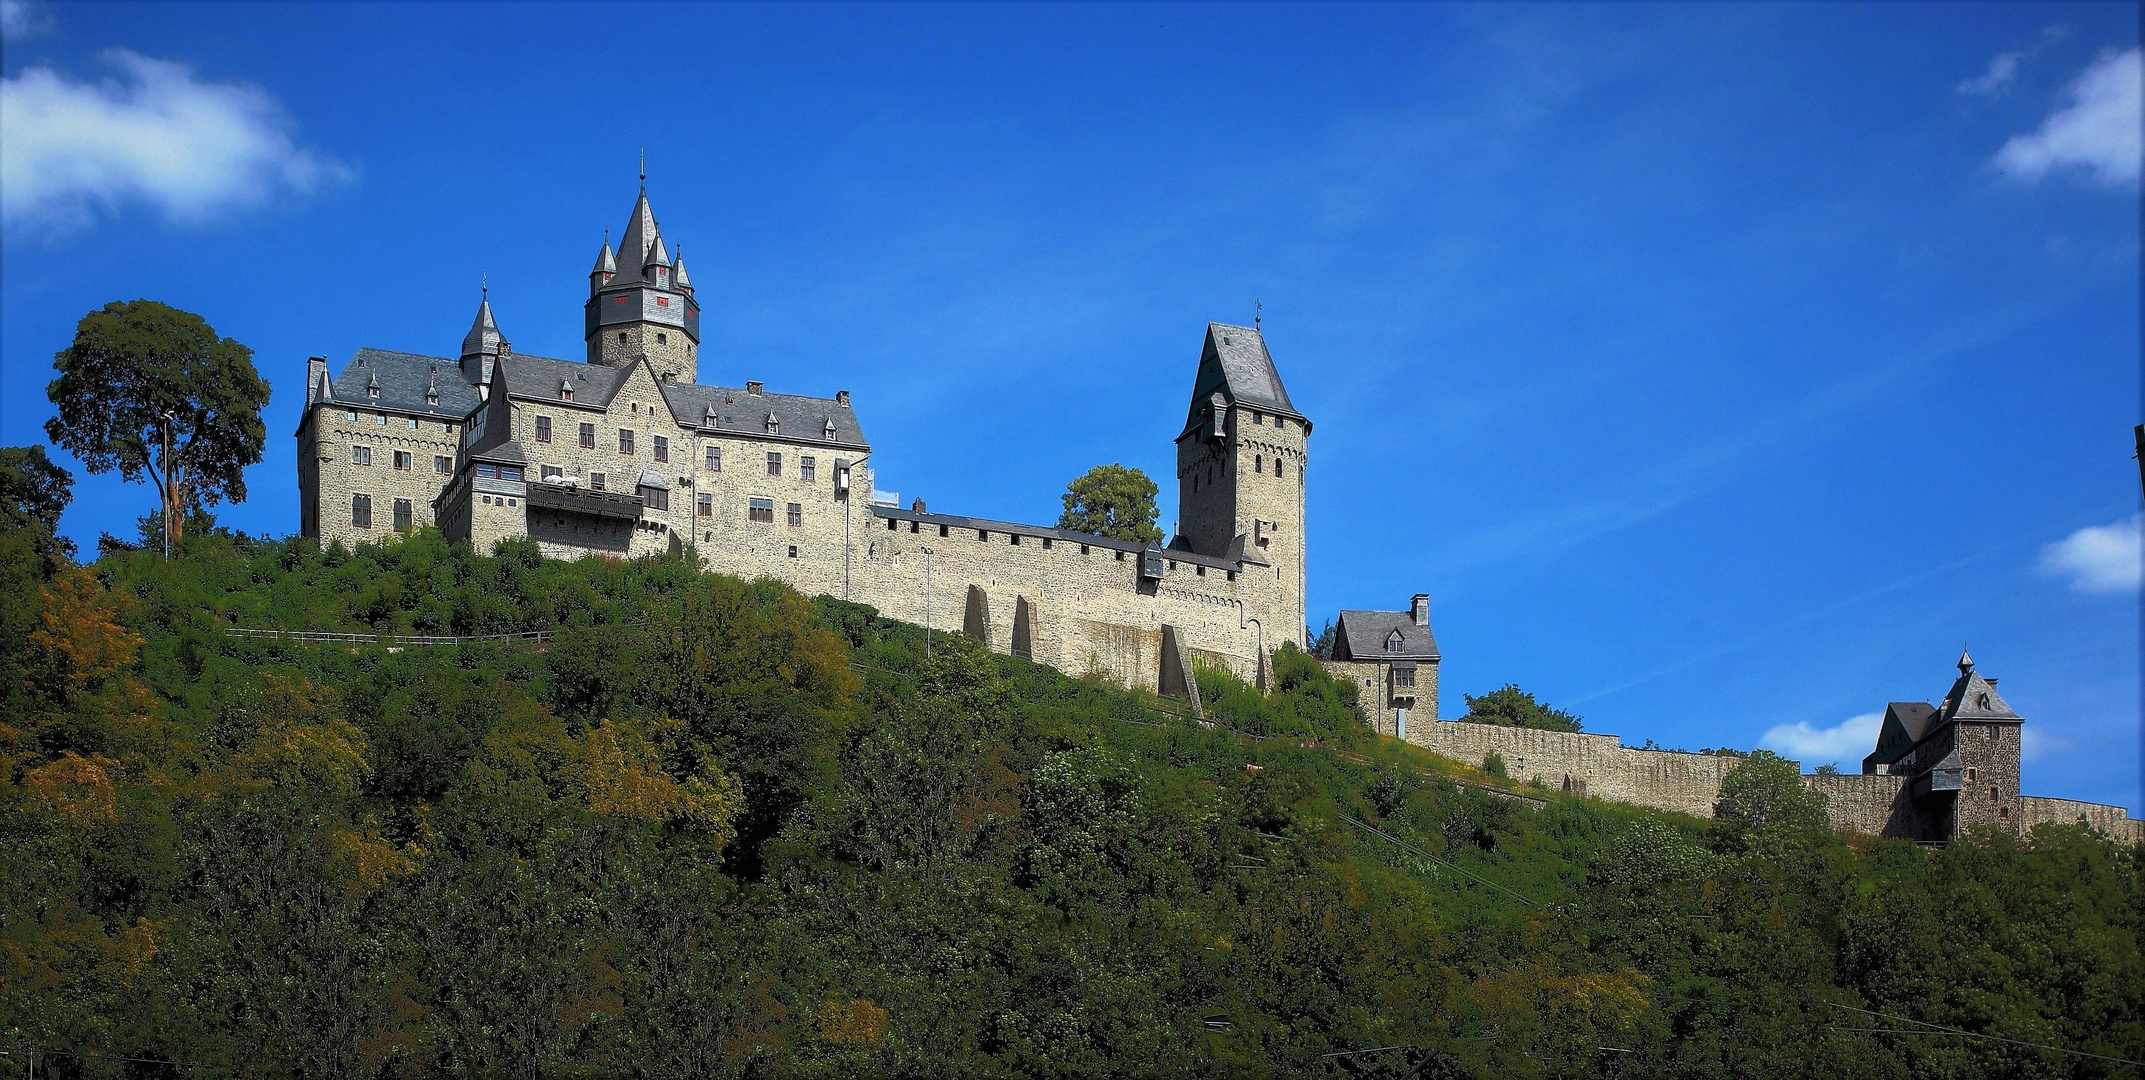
x=1941, y=1029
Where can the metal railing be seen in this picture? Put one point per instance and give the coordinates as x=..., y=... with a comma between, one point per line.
x=393, y=641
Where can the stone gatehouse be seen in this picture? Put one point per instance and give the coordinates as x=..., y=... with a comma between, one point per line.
x=626, y=452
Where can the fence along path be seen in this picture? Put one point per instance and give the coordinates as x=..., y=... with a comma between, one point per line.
x=393, y=641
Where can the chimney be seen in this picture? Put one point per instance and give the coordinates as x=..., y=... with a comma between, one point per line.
x=841, y=397
x=752, y=386
x=1419, y=609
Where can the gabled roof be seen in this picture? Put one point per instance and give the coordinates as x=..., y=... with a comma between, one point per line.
x=741, y=413
x=1905, y=722
x=402, y=379
x=1234, y=362
x=1973, y=699
x=538, y=377
x=1363, y=634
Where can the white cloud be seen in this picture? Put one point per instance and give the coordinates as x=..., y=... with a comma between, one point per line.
x=1997, y=78
x=155, y=134
x=2099, y=558
x=2098, y=131
x=20, y=19
x=1846, y=743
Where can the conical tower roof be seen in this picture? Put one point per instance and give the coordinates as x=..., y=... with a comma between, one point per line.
x=483, y=337
x=639, y=235
x=685, y=281
x=658, y=255
x=606, y=263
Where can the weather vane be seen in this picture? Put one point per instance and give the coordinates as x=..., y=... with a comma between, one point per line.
x=1258, y=313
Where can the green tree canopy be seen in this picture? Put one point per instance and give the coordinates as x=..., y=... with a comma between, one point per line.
x=33, y=492
x=1114, y=501
x=1513, y=707
x=1763, y=797
x=141, y=375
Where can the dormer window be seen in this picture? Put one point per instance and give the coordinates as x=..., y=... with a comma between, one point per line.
x=828, y=431
x=1394, y=642
x=373, y=392
x=774, y=424
x=565, y=390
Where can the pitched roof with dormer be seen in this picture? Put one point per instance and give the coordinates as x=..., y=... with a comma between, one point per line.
x=1234, y=363
x=402, y=380
x=1364, y=635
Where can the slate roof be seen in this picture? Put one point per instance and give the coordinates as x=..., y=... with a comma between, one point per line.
x=402, y=378
x=539, y=377
x=744, y=414
x=1234, y=361
x=1363, y=633
x=1913, y=717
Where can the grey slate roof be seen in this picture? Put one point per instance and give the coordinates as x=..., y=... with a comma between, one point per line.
x=539, y=377
x=639, y=236
x=1234, y=361
x=402, y=379
x=1363, y=633
x=737, y=412
x=1913, y=717
x=483, y=337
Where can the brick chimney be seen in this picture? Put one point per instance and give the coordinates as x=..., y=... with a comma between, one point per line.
x=1419, y=609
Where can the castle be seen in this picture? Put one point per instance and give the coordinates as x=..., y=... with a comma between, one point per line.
x=625, y=452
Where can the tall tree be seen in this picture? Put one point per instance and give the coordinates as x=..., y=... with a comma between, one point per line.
x=152, y=391
x=33, y=492
x=1514, y=707
x=1113, y=501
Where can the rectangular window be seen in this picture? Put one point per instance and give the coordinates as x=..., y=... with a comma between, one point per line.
x=361, y=455
x=442, y=464
x=761, y=510
x=807, y=468
x=796, y=514
x=543, y=429
x=707, y=505
x=402, y=461
x=714, y=458
x=1404, y=677
x=661, y=450
x=402, y=515
x=595, y=481
x=625, y=441
x=774, y=463
x=550, y=472
x=655, y=498
x=487, y=470
x=588, y=436
x=361, y=511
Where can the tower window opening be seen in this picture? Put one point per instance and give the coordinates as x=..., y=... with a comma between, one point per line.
x=621, y=337
x=662, y=339
x=1258, y=464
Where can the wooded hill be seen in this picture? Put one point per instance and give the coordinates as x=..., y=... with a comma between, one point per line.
x=716, y=828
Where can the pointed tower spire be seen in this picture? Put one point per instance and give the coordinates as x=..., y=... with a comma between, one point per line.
x=606, y=266
x=1966, y=660
x=480, y=347
x=658, y=255
x=685, y=282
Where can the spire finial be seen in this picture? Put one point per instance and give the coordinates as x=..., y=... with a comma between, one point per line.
x=1966, y=661
x=644, y=169
x=1258, y=313
x=484, y=284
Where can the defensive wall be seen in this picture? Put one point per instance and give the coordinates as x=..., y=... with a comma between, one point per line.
x=1684, y=782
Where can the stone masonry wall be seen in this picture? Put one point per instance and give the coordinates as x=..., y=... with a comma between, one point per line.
x=336, y=476
x=1373, y=680
x=1663, y=779
x=2113, y=820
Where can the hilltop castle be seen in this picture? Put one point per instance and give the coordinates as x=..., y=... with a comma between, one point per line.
x=626, y=452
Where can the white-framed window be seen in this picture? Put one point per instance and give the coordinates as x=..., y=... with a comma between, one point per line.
x=796, y=513
x=714, y=458
x=807, y=468
x=361, y=511
x=361, y=455
x=760, y=510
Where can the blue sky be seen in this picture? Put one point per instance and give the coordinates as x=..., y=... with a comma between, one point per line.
x=1718, y=370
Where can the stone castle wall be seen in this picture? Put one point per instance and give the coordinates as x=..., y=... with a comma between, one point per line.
x=2113, y=820
x=1376, y=694
x=329, y=475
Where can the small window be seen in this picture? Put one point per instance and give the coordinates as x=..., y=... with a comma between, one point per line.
x=402, y=515
x=761, y=510
x=655, y=498
x=352, y=415
x=660, y=448
x=565, y=392
x=1969, y=772
x=543, y=429
x=373, y=392
x=942, y=532
x=381, y=420
x=361, y=511
x=796, y=514
x=774, y=463
x=487, y=470
x=442, y=464
x=413, y=423
x=1394, y=642
x=807, y=468
x=625, y=441
x=361, y=455
x=621, y=333
x=595, y=481
x=983, y=535
x=588, y=436
x=714, y=458
x=662, y=339
x=793, y=551
x=403, y=461
x=550, y=472
x=1258, y=464
x=706, y=505
x=1013, y=539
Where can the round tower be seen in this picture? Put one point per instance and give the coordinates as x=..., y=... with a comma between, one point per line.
x=639, y=305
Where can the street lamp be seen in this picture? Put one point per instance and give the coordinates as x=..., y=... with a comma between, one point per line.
x=927, y=598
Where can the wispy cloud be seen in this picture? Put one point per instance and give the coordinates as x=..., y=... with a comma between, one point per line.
x=1849, y=740
x=155, y=134
x=2003, y=69
x=2098, y=132
x=20, y=19
x=2100, y=558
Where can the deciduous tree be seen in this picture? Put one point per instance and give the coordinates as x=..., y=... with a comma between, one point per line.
x=153, y=391
x=1114, y=501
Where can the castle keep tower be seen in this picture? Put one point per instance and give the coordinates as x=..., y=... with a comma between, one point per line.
x=640, y=303
x=1240, y=471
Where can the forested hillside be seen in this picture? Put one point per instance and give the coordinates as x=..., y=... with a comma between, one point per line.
x=716, y=828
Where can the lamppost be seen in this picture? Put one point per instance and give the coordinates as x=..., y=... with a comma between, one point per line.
x=169, y=492
x=927, y=598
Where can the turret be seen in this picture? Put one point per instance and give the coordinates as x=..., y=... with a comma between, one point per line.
x=606, y=266
x=643, y=306
x=685, y=282
x=480, y=347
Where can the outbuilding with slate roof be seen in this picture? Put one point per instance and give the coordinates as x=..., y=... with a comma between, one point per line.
x=1392, y=657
